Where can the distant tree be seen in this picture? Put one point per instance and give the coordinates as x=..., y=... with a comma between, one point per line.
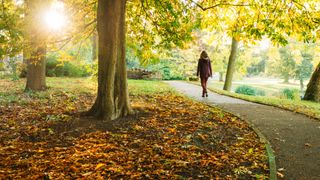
x=258, y=66
x=220, y=60
x=286, y=66
x=304, y=69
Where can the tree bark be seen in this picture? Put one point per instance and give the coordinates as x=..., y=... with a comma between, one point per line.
x=112, y=99
x=313, y=88
x=231, y=65
x=36, y=70
x=35, y=52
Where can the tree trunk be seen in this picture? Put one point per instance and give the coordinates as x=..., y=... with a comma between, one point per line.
x=35, y=50
x=231, y=65
x=221, y=76
x=112, y=99
x=286, y=79
x=36, y=70
x=301, y=84
x=313, y=88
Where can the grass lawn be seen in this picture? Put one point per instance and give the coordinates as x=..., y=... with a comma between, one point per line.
x=308, y=108
x=272, y=90
x=43, y=135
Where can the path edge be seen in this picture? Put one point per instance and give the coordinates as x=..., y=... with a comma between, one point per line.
x=283, y=108
x=270, y=152
x=262, y=138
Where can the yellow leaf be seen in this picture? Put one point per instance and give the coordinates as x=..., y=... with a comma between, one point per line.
x=99, y=166
x=172, y=130
x=138, y=128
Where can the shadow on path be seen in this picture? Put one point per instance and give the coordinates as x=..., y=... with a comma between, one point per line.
x=294, y=137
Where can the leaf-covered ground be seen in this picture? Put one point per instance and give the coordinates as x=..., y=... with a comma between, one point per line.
x=169, y=136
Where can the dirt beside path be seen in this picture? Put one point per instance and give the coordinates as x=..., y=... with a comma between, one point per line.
x=295, y=138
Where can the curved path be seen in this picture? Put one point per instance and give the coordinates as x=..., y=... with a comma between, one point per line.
x=295, y=138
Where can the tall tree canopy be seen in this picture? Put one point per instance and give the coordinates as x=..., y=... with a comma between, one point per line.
x=151, y=26
x=247, y=20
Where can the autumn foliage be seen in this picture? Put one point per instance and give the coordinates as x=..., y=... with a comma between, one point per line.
x=169, y=137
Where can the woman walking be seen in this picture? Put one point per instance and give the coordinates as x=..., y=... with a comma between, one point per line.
x=205, y=71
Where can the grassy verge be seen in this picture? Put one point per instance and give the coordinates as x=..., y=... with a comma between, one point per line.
x=270, y=89
x=308, y=108
x=140, y=87
x=43, y=136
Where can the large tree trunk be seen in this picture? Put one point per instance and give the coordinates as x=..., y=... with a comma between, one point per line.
x=313, y=88
x=35, y=50
x=36, y=70
x=231, y=65
x=112, y=99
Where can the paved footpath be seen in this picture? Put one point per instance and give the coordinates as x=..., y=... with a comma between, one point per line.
x=295, y=138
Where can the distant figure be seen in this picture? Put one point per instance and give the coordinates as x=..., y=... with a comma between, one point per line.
x=205, y=71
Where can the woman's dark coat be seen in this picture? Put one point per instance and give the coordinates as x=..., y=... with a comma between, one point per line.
x=204, y=68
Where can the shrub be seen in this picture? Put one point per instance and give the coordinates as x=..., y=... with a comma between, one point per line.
x=54, y=68
x=247, y=90
x=288, y=93
x=193, y=78
x=251, y=91
x=168, y=74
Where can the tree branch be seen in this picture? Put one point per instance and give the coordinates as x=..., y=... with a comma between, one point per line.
x=216, y=5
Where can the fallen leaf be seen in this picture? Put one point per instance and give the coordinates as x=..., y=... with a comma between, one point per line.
x=280, y=175
x=99, y=166
x=308, y=144
x=87, y=174
x=281, y=169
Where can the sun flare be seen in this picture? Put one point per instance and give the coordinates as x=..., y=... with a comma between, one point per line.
x=55, y=18
x=264, y=44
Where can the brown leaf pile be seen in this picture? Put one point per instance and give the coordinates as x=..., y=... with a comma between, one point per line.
x=169, y=137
